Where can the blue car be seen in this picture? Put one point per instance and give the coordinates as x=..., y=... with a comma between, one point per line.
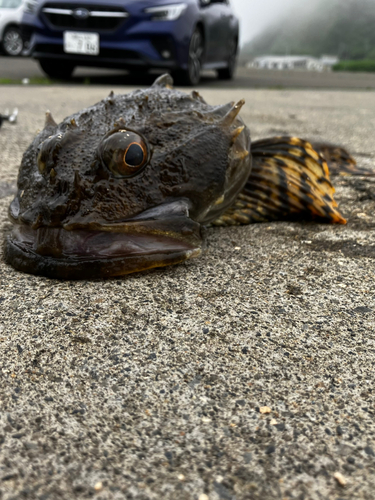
x=182, y=37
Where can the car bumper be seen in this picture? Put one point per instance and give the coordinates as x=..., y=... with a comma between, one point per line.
x=109, y=56
x=144, y=45
x=107, y=62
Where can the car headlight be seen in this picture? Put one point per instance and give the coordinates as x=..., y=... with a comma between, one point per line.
x=167, y=12
x=30, y=6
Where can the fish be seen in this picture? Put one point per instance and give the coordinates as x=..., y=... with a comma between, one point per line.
x=130, y=183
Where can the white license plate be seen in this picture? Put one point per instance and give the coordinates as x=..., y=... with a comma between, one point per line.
x=76, y=42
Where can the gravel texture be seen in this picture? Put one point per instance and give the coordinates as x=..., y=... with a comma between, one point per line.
x=245, y=374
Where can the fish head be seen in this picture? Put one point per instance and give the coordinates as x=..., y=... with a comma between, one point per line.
x=126, y=185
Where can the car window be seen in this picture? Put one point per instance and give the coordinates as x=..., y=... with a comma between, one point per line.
x=10, y=4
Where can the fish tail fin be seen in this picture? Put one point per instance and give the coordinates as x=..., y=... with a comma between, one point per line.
x=289, y=181
x=340, y=161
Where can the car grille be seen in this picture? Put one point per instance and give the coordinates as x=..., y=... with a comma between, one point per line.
x=85, y=17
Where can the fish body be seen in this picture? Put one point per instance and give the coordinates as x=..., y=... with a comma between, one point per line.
x=130, y=183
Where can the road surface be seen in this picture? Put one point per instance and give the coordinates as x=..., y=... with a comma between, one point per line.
x=19, y=68
x=245, y=374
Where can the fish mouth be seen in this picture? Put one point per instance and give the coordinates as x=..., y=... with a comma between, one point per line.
x=158, y=237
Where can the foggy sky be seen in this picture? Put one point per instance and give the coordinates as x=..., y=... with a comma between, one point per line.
x=255, y=15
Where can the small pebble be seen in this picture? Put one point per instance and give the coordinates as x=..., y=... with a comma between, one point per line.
x=265, y=410
x=271, y=449
x=273, y=421
x=369, y=451
x=342, y=481
x=181, y=477
x=203, y=496
x=98, y=486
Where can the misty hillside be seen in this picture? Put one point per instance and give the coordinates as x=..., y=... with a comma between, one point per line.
x=340, y=27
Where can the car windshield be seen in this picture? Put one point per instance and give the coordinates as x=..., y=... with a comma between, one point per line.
x=10, y=4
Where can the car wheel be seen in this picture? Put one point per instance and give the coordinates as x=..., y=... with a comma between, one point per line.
x=62, y=70
x=12, y=41
x=192, y=75
x=228, y=72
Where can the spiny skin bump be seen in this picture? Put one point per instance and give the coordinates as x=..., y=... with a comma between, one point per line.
x=127, y=184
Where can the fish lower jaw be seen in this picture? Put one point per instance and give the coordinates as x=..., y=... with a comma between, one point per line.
x=80, y=254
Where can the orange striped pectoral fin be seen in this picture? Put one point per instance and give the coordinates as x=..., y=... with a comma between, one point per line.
x=289, y=181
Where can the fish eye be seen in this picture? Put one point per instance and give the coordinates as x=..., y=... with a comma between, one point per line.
x=48, y=150
x=124, y=152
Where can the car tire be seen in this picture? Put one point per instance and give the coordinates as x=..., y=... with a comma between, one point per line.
x=12, y=42
x=54, y=68
x=192, y=75
x=228, y=72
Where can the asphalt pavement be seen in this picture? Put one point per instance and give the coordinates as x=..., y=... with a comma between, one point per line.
x=20, y=68
x=246, y=374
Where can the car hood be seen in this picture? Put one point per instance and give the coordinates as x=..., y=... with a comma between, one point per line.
x=120, y=3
